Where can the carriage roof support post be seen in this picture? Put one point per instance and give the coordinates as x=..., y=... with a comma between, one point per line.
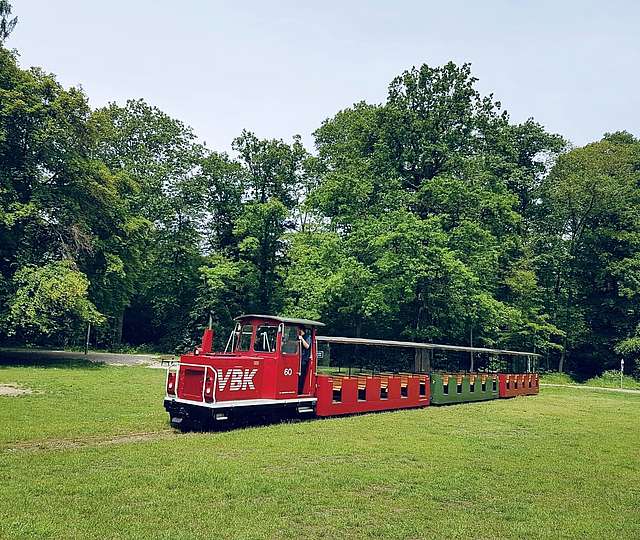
x=471, y=352
x=422, y=360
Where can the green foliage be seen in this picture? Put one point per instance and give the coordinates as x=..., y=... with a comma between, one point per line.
x=7, y=24
x=435, y=121
x=419, y=192
x=557, y=378
x=50, y=301
x=274, y=176
x=273, y=167
x=611, y=379
x=154, y=151
x=430, y=216
x=226, y=287
x=59, y=202
x=629, y=349
x=587, y=247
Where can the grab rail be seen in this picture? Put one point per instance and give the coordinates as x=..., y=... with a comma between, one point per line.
x=206, y=367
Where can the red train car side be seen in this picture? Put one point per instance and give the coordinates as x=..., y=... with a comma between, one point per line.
x=338, y=395
x=518, y=384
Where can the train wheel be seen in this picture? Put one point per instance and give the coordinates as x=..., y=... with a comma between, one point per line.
x=181, y=423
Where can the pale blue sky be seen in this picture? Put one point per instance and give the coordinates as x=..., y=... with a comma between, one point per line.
x=281, y=67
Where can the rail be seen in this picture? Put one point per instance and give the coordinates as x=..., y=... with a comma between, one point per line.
x=178, y=364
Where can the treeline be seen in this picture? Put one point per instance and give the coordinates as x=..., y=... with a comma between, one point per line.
x=430, y=217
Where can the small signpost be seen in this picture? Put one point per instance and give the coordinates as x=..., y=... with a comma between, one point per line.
x=621, y=371
x=86, y=343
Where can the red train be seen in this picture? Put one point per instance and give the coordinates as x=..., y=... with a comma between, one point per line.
x=269, y=368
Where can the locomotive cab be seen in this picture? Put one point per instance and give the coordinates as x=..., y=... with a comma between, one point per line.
x=265, y=368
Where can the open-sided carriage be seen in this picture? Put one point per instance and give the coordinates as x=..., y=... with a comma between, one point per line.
x=264, y=371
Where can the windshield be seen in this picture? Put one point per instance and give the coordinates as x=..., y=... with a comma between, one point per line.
x=244, y=339
x=265, y=338
x=290, y=340
x=240, y=338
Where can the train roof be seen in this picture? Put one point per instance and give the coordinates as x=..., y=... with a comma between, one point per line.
x=416, y=345
x=289, y=320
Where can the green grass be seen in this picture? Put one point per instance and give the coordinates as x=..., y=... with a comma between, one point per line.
x=562, y=464
x=76, y=399
x=609, y=379
x=557, y=378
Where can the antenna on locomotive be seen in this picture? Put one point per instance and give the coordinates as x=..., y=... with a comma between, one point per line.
x=207, y=337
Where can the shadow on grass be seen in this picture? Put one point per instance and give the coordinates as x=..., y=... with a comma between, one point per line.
x=258, y=421
x=44, y=359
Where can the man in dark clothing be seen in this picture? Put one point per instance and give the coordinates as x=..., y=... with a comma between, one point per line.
x=304, y=336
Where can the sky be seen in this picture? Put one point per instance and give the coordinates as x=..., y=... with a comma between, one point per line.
x=280, y=68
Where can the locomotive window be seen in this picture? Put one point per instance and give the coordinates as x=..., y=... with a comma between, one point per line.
x=290, y=340
x=265, y=338
x=243, y=339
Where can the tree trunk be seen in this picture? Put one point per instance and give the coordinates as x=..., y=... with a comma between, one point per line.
x=117, y=329
x=562, y=355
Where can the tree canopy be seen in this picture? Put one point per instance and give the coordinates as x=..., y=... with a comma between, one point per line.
x=430, y=216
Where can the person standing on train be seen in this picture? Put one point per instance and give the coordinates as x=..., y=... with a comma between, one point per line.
x=304, y=335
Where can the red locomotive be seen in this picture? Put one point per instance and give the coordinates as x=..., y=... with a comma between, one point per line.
x=269, y=367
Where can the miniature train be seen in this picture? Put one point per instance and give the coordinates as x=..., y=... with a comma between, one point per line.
x=262, y=373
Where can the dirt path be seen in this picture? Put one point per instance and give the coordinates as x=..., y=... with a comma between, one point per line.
x=98, y=357
x=584, y=387
x=13, y=390
x=89, y=442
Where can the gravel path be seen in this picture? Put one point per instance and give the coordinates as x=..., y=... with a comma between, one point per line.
x=99, y=357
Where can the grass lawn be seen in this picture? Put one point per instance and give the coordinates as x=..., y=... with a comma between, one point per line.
x=562, y=464
x=609, y=379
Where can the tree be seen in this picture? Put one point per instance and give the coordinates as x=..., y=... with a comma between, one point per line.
x=629, y=348
x=430, y=216
x=221, y=188
x=50, y=301
x=435, y=120
x=7, y=24
x=155, y=151
x=274, y=176
x=421, y=191
x=225, y=290
x=159, y=155
x=261, y=228
x=274, y=168
x=587, y=246
x=59, y=202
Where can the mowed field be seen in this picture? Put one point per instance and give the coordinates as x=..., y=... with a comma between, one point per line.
x=89, y=454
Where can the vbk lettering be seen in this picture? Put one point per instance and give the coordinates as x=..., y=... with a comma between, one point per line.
x=237, y=379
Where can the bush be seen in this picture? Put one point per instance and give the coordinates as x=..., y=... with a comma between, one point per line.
x=611, y=379
x=50, y=301
x=557, y=378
